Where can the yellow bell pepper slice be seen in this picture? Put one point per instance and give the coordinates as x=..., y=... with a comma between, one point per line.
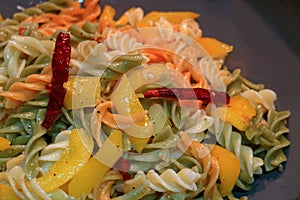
x=234, y=117
x=175, y=17
x=229, y=168
x=4, y=144
x=82, y=92
x=127, y=103
x=243, y=105
x=1, y=18
x=214, y=47
x=7, y=193
x=107, y=17
x=238, y=112
x=123, y=20
x=72, y=159
x=97, y=166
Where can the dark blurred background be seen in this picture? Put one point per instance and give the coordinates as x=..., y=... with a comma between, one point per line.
x=283, y=16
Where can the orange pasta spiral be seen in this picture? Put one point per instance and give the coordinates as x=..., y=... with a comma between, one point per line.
x=73, y=14
x=20, y=92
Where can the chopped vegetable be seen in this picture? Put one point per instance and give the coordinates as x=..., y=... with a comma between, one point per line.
x=189, y=94
x=175, y=17
x=238, y=112
x=214, y=47
x=107, y=17
x=60, y=75
x=71, y=161
x=97, y=166
x=4, y=144
x=229, y=168
x=127, y=103
x=243, y=105
x=82, y=92
x=7, y=193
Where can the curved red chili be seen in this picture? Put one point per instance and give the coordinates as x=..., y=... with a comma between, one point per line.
x=60, y=75
x=189, y=94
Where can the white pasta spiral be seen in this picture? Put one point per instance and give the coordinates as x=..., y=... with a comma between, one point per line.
x=265, y=97
x=198, y=122
x=120, y=41
x=24, y=188
x=211, y=73
x=52, y=152
x=169, y=180
x=135, y=16
x=85, y=47
x=28, y=45
x=191, y=28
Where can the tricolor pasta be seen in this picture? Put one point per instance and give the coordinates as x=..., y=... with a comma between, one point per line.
x=112, y=141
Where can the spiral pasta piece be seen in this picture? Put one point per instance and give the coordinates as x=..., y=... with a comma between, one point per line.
x=265, y=97
x=250, y=164
x=72, y=14
x=51, y=153
x=211, y=73
x=169, y=180
x=102, y=115
x=32, y=150
x=29, y=189
x=209, y=163
x=191, y=28
x=28, y=45
x=102, y=189
x=20, y=92
x=120, y=41
x=135, y=15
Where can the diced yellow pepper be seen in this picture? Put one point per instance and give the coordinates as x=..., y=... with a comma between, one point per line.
x=107, y=17
x=7, y=193
x=234, y=117
x=238, y=112
x=123, y=20
x=82, y=92
x=229, y=168
x=71, y=161
x=175, y=17
x=127, y=103
x=97, y=166
x=243, y=105
x=214, y=47
x=4, y=144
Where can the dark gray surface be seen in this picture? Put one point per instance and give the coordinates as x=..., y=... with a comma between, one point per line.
x=266, y=49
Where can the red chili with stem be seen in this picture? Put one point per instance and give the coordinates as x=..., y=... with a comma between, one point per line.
x=60, y=74
x=204, y=95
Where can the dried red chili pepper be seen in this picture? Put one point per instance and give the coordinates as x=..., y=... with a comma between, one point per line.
x=189, y=94
x=22, y=30
x=60, y=75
